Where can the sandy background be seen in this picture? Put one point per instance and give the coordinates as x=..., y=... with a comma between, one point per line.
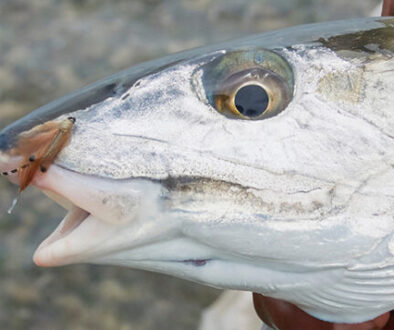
x=51, y=47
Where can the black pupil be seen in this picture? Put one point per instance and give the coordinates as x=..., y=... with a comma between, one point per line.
x=251, y=100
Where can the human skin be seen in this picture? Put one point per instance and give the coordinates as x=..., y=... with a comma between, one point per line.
x=388, y=8
x=282, y=315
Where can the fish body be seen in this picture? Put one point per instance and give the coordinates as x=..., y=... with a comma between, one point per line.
x=264, y=164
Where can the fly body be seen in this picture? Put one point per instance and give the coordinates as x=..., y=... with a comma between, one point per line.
x=39, y=147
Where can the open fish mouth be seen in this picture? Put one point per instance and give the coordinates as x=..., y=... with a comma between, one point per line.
x=74, y=218
x=63, y=246
x=96, y=213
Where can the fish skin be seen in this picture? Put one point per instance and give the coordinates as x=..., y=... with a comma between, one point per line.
x=298, y=207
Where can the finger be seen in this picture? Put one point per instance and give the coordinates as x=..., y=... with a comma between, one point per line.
x=375, y=324
x=390, y=323
x=286, y=316
x=388, y=8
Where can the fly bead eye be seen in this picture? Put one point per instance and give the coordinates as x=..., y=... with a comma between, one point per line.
x=251, y=100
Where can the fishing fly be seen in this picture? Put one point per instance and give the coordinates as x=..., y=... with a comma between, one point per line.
x=39, y=147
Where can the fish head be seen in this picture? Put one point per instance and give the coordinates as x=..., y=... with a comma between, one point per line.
x=251, y=165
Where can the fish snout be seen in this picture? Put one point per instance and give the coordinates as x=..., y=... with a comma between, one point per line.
x=3, y=142
x=9, y=134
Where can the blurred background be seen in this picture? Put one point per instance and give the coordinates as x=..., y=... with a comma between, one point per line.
x=51, y=47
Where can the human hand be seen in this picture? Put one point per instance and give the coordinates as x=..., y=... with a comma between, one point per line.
x=285, y=316
x=388, y=8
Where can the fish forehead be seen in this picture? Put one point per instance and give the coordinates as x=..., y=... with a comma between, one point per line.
x=315, y=34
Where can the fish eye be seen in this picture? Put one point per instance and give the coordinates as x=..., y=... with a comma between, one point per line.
x=251, y=85
x=251, y=100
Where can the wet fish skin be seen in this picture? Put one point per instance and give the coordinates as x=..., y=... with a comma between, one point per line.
x=298, y=206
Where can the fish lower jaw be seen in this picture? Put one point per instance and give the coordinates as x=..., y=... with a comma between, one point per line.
x=45, y=255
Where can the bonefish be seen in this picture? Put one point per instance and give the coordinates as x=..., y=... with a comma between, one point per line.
x=264, y=164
